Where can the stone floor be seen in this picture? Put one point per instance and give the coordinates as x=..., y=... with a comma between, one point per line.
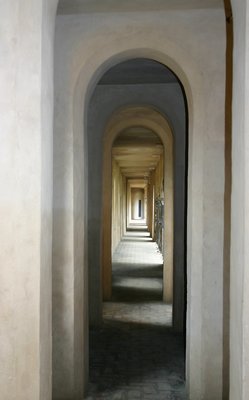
x=135, y=354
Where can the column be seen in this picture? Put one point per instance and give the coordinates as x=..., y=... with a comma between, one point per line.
x=239, y=290
x=26, y=83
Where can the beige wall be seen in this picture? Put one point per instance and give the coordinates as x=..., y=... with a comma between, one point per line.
x=239, y=293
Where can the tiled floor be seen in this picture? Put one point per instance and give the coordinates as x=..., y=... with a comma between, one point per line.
x=136, y=355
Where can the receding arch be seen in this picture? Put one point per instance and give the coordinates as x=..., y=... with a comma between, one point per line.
x=109, y=59
x=83, y=94
x=112, y=60
x=88, y=60
x=149, y=118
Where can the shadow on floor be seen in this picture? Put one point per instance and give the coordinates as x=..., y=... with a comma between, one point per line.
x=136, y=361
x=136, y=354
x=135, y=293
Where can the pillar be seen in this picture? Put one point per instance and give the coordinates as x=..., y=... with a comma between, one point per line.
x=124, y=202
x=70, y=274
x=129, y=206
x=26, y=123
x=239, y=291
x=70, y=253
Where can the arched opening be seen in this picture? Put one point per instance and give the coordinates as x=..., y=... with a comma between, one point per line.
x=151, y=119
x=183, y=34
x=127, y=121
x=172, y=103
x=81, y=60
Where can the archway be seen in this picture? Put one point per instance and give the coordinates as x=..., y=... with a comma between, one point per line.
x=152, y=119
x=170, y=101
x=194, y=38
x=75, y=81
x=125, y=117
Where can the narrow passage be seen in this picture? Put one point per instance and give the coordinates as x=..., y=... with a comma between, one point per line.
x=135, y=354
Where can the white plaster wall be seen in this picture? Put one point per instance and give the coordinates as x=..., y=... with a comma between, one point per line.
x=26, y=70
x=168, y=99
x=194, y=42
x=239, y=298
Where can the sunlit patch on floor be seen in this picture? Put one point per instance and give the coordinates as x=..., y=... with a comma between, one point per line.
x=136, y=354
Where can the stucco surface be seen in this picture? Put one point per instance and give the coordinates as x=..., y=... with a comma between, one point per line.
x=193, y=45
x=239, y=323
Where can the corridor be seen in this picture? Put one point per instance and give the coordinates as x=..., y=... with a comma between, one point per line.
x=135, y=354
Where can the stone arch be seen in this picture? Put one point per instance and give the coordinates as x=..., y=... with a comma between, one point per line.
x=120, y=120
x=86, y=63
x=199, y=49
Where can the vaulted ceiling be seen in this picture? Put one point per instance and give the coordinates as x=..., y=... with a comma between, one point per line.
x=137, y=151
x=87, y=6
x=138, y=71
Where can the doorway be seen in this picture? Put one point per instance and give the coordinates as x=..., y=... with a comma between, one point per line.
x=125, y=194
x=88, y=45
